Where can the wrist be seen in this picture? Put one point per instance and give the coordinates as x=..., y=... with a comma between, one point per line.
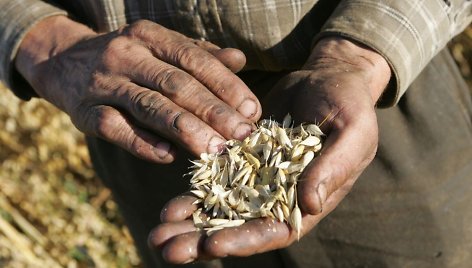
x=353, y=56
x=45, y=40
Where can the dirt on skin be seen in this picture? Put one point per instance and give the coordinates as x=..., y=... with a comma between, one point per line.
x=54, y=212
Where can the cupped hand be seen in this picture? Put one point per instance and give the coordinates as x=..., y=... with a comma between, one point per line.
x=142, y=87
x=338, y=87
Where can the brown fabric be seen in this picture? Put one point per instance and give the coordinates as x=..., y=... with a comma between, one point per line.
x=410, y=208
x=406, y=33
x=274, y=34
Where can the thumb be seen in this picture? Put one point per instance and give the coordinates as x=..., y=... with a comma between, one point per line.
x=348, y=150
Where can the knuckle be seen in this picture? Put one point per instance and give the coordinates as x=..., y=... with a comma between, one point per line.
x=170, y=82
x=117, y=50
x=190, y=131
x=205, y=45
x=101, y=125
x=215, y=112
x=134, y=145
x=205, y=66
x=148, y=104
x=173, y=121
x=115, y=46
x=191, y=57
x=140, y=28
x=101, y=83
x=93, y=120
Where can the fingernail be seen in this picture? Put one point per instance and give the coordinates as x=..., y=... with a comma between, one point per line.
x=162, y=149
x=248, y=108
x=322, y=193
x=242, y=131
x=215, y=144
x=189, y=261
x=318, y=206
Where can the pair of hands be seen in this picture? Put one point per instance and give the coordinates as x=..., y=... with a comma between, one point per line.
x=146, y=88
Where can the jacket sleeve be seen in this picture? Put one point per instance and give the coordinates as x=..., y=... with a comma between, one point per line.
x=16, y=18
x=408, y=34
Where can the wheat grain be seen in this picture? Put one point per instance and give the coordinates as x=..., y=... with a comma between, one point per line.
x=254, y=178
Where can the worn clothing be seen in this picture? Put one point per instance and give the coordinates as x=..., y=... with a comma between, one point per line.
x=274, y=34
x=410, y=208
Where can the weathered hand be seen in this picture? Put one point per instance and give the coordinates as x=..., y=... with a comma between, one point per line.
x=141, y=86
x=339, y=85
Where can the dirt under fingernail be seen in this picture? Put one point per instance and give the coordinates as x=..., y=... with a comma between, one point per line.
x=162, y=149
x=215, y=144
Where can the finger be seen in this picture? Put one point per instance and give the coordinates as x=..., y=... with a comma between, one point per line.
x=255, y=236
x=188, y=93
x=182, y=53
x=179, y=208
x=157, y=113
x=233, y=59
x=217, y=78
x=262, y=235
x=165, y=231
x=347, y=151
x=109, y=124
x=185, y=248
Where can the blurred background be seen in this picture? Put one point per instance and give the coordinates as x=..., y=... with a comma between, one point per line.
x=54, y=212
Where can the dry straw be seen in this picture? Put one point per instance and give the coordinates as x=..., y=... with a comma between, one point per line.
x=256, y=177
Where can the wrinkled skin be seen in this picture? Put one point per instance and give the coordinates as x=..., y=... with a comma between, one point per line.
x=143, y=87
x=339, y=85
x=146, y=88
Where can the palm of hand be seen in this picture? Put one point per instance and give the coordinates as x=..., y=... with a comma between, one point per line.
x=332, y=90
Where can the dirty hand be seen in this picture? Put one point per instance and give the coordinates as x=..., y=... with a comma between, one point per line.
x=141, y=87
x=339, y=84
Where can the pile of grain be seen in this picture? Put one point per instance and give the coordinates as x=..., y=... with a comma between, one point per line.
x=256, y=177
